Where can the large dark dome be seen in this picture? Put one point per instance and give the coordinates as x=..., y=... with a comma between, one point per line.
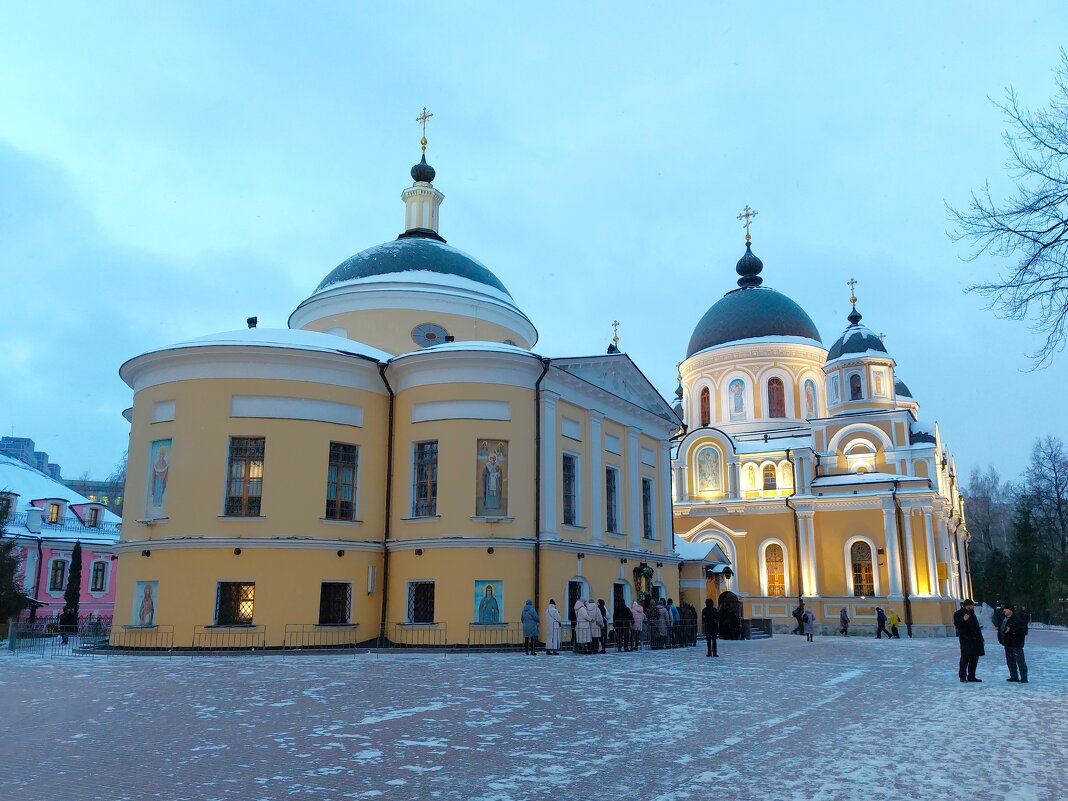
x=754, y=311
x=410, y=254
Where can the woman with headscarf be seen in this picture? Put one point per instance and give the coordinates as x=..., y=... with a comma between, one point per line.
x=582, y=627
x=596, y=626
x=552, y=629
x=638, y=614
x=809, y=619
x=663, y=623
x=531, y=622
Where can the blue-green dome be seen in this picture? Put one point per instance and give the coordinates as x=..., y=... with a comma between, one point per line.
x=751, y=312
x=410, y=254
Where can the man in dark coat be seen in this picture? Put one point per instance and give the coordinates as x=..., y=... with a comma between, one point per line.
x=880, y=619
x=1011, y=634
x=797, y=613
x=623, y=622
x=971, y=640
x=997, y=618
x=710, y=622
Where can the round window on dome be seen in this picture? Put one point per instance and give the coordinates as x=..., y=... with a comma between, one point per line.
x=426, y=334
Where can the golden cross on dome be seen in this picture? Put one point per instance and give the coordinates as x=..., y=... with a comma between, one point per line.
x=426, y=115
x=852, y=283
x=747, y=215
x=615, y=331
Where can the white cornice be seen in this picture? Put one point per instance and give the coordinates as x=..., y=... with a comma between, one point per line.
x=604, y=550
x=440, y=543
x=571, y=388
x=426, y=368
x=298, y=543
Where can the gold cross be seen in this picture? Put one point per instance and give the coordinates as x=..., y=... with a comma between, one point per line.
x=747, y=215
x=426, y=115
x=852, y=282
x=615, y=331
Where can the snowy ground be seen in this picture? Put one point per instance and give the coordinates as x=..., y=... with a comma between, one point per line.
x=781, y=720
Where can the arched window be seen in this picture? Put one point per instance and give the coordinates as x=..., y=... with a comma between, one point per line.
x=706, y=407
x=856, y=389
x=863, y=571
x=769, y=477
x=776, y=398
x=775, y=570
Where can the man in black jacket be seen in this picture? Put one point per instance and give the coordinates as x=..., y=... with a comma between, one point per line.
x=1012, y=633
x=710, y=622
x=971, y=640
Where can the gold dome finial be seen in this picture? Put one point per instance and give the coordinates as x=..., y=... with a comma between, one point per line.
x=615, y=332
x=852, y=283
x=747, y=216
x=426, y=115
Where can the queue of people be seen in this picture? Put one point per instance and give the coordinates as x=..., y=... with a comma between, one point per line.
x=657, y=624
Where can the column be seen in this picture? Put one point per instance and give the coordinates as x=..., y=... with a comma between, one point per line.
x=946, y=555
x=666, y=515
x=596, y=512
x=802, y=559
x=732, y=480
x=549, y=455
x=634, y=487
x=684, y=491
x=910, y=551
x=893, y=561
x=807, y=529
x=932, y=557
x=813, y=556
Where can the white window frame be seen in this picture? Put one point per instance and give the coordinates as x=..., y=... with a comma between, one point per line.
x=651, y=511
x=848, y=557
x=66, y=575
x=107, y=577
x=763, y=554
x=577, y=489
x=414, y=478
x=617, y=505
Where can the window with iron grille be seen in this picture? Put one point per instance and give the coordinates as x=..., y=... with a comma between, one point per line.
x=93, y=518
x=775, y=570
x=234, y=602
x=570, y=475
x=244, y=482
x=335, y=603
x=611, y=497
x=420, y=601
x=98, y=576
x=58, y=576
x=770, y=481
x=776, y=398
x=575, y=590
x=425, y=479
x=863, y=570
x=341, y=482
x=647, y=509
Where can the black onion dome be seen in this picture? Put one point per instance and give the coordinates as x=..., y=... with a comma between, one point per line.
x=856, y=339
x=750, y=312
x=749, y=267
x=901, y=390
x=423, y=171
x=409, y=254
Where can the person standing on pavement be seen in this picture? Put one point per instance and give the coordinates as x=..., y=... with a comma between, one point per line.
x=880, y=619
x=622, y=623
x=971, y=640
x=596, y=626
x=638, y=614
x=602, y=610
x=531, y=622
x=552, y=629
x=809, y=619
x=843, y=622
x=710, y=622
x=895, y=621
x=797, y=614
x=1012, y=634
x=583, y=631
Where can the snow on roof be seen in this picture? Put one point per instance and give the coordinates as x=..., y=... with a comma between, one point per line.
x=860, y=478
x=293, y=338
x=773, y=444
x=773, y=339
x=476, y=345
x=869, y=353
x=428, y=279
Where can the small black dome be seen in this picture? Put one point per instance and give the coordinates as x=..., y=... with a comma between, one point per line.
x=901, y=390
x=749, y=267
x=856, y=340
x=754, y=311
x=423, y=171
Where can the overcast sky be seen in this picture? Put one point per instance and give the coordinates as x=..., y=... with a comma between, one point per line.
x=167, y=170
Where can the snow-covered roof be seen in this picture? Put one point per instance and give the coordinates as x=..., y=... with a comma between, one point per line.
x=471, y=345
x=291, y=338
x=693, y=551
x=773, y=444
x=860, y=478
x=777, y=340
x=423, y=278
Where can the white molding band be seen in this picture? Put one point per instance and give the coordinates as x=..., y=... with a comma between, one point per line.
x=291, y=408
x=461, y=410
x=299, y=543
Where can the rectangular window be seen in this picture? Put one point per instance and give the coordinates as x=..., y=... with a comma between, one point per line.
x=647, y=509
x=425, y=479
x=341, y=482
x=244, y=484
x=98, y=576
x=335, y=603
x=421, y=602
x=233, y=603
x=58, y=576
x=611, y=498
x=53, y=514
x=93, y=519
x=570, y=475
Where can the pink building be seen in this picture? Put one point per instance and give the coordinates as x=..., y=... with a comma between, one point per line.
x=46, y=519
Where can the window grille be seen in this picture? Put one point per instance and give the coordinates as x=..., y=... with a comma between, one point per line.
x=341, y=482
x=233, y=604
x=574, y=592
x=775, y=570
x=58, y=576
x=96, y=582
x=568, y=472
x=776, y=398
x=425, y=491
x=611, y=494
x=53, y=513
x=647, y=509
x=769, y=478
x=244, y=486
x=335, y=603
x=863, y=570
x=421, y=602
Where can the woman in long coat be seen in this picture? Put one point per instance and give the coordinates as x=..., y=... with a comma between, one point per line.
x=639, y=622
x=596, y=625
x=531, y=623
x=663, y=623
x=809, y=619
x=582, y=626
x=552, y=630
x=843, y=622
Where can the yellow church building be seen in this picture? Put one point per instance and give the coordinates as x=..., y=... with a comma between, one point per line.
x=804, y=476
x=396, y=462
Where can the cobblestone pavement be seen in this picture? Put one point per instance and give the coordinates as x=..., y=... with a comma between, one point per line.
x=855, y=719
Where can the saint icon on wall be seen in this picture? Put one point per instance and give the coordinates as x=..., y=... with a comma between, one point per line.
x=836, y=390
x=736, y=399
x=144, y=611
x=491, y=478
x=810, y=399
x=489, y=599
x=708, y=470
x=159, y=468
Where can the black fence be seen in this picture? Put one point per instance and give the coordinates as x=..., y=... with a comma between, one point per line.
x=495, y=636
x=229, y=639
x=50, y=639
x=414, y=635
x=320, y=638
x=146, y=639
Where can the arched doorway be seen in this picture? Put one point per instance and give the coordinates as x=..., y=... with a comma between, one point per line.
x=730, y=616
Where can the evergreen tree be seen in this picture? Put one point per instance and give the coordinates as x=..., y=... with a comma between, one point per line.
x=1030, y=566
x=72, y=595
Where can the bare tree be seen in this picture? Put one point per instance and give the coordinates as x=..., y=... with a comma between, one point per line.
x=119, y=473
x=1046, y=493
x=990, y=508
x=1031, y=225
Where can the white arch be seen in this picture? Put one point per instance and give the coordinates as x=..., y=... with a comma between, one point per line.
x=627, y=594
x=763, y=566
x=874, y=564
x=820, y=391
x=875, y=431
x=586, y=591
x=695, y=452
x=847, y=384
x=789, y=386
x=724, y=393
x=695, y=401
x=786, y=475
x=760, y=475
x=757, y=482
x=727, y=544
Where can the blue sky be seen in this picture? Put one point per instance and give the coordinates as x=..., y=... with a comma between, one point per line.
x=168, y=170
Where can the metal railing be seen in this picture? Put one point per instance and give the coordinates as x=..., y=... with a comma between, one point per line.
x=229, y=639
x=317, y=637
x=495, y=635
x=155, y=639
x=413, y=635
x=50, y=639
x=66, y=524
x=651, y=636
